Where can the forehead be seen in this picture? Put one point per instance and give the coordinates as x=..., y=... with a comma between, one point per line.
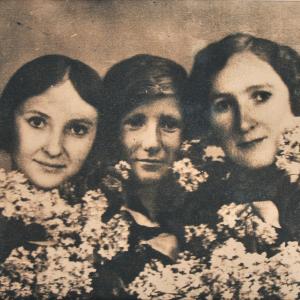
x=166, y=105
x=61, y=99
x=244, y=70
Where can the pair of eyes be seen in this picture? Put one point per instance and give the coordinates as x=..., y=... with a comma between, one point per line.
x=166, y=123
x=225, y=104
x=75, y=127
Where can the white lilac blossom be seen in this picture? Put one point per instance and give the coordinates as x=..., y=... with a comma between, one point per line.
x=63, y=264
x=230, y=273
x=175, y=281
x=202, y=231
x=189, y=177
x=123, y=168
x=114, y=237
x=213, y=153
x=111, y=237
x=188, y=144
x=288, y=156
x=240, y=220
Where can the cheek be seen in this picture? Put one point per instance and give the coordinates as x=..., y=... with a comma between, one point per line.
x=222, y=127
x=130, y=141
x=172, y=143
x=79, y=149
x=27, y=141
x=279, y=115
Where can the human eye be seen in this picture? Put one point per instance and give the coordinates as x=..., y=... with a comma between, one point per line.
x=221, y=105
x=170, y=124
x=78, y=129
x=261, y=96
x=37, y=122
x=134, y=122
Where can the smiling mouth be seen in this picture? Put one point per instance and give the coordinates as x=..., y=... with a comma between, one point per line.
x=50, y=165
x=150, y=161
x=251, y=143
x=151, y=165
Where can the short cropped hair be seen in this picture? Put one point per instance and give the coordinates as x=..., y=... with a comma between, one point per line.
x=134, y=81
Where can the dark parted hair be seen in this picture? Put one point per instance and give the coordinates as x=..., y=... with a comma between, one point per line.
x=212, y=59
x=34, y=78
x=133, y=82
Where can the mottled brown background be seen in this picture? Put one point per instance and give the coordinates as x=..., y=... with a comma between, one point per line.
x=104, y=32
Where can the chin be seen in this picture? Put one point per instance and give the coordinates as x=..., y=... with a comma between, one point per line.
x=149, y=180
x=145, y=177
x=46, y=183
x=258, y=157
x=257, y=162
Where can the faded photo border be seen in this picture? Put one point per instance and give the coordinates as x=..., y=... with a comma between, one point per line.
x=104, y=32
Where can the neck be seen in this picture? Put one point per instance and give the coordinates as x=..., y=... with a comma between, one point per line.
x=146, y=196
x=247, y=185
x=246, y=173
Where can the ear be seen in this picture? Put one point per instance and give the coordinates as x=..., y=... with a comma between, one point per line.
x=5, y=161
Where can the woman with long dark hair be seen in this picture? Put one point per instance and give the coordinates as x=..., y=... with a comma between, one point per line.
x=49, y=112
x=246, y=93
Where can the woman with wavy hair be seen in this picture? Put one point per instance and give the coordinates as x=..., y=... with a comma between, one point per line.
x=246, y=93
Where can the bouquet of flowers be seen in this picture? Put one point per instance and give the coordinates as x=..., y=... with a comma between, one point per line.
x=61, y=263
x=227, y=261
x=199, y=160
x=288, y=156
x=217, y=265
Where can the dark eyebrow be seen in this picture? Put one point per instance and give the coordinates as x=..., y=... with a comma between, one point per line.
x=170, y=116
x=134, y=114
x=36, y=112
x=82, y=120
x=79, y=120
x=258, y=87
x=216, y=95
x=131, y=116
x=178, y=120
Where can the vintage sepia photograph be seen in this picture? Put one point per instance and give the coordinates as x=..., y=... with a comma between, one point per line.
x=150, y=149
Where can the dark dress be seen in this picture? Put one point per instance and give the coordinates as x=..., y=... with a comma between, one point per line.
x=260, y=185
x=114, y=275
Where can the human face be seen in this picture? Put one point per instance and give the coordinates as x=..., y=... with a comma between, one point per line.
x=55, y=133
x=151, y=137
x=249, y=109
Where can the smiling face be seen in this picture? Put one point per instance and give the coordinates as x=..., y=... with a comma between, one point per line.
x=55, y=133
x=250, y=106
x=151, y=137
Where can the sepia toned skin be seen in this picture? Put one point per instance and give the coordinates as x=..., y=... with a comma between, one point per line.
x=55, y=133
x=151, y=137
x=249, y=109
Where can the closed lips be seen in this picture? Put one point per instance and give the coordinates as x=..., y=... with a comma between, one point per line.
x=51, y=165
x=152, y=161
x=249, y=143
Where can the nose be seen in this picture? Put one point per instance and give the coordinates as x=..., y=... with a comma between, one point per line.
x=246, y=120
x=54, y=145
x=152, y=139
